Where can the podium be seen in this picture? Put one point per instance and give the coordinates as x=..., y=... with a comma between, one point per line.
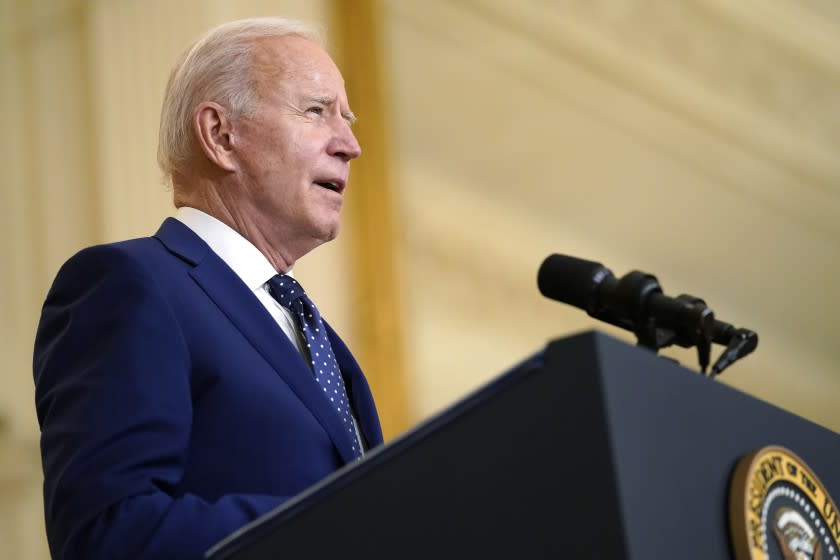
x=589, y=449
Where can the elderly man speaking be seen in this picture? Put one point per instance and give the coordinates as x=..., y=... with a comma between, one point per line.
x=185, y=382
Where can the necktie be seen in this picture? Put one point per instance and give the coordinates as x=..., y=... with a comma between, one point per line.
x=290, y=294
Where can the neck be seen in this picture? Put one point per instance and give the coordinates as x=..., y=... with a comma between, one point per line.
x=221, y=202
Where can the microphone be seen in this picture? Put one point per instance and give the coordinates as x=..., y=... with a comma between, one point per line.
x=572, y=280
x=635, y=302
x=628, y=303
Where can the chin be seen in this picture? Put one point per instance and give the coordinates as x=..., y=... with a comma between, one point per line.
x=330, y=227
x=327, y=232
x=323, y=226
x=332, y=233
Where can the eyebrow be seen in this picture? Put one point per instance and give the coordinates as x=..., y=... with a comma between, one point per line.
x=327, y=100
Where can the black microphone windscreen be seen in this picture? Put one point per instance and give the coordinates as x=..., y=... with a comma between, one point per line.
x=570, y=280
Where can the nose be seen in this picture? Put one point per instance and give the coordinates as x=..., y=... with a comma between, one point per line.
x=344, y=144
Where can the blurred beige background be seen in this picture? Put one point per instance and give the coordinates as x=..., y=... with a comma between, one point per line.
x=697, y=140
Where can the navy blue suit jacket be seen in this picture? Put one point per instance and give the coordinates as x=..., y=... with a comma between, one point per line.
x=173, y=408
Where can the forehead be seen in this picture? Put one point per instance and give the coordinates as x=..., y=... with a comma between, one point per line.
x=292, y=60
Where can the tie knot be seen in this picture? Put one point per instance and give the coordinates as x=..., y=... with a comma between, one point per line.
x=285, y=289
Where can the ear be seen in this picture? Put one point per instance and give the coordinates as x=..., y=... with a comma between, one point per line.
x=214, y=133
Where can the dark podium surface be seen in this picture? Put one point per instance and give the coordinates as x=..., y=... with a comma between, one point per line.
x=591, y=449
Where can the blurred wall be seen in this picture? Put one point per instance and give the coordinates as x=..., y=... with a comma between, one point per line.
x=695, y=140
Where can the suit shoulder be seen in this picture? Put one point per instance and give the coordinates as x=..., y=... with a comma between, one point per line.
x=128, y=267
x=135, y=257
x=121, y=251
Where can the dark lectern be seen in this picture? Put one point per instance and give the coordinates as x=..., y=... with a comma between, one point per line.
x=590, y=449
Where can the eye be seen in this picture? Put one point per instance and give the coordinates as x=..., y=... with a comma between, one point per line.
x=316, y=110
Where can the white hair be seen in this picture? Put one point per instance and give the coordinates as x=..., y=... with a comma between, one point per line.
x=217, y=67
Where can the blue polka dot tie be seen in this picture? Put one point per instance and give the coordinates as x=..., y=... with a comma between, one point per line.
x=291, y=295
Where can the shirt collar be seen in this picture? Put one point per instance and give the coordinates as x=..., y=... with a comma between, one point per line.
x=238, y=253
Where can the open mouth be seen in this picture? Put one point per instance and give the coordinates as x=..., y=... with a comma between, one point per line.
x=329, y=185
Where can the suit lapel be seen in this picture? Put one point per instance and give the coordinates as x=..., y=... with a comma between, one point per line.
x=357, y=389
x=249, y=316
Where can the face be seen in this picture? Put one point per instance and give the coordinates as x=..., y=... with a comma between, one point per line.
x=293, y=154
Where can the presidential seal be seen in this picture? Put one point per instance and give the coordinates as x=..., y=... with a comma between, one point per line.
x=779, y=510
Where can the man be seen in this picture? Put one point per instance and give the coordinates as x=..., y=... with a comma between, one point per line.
x=182, y=391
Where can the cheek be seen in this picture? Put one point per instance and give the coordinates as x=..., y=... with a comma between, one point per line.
x=299, y=151
x=284, y=160
x=288, y=158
